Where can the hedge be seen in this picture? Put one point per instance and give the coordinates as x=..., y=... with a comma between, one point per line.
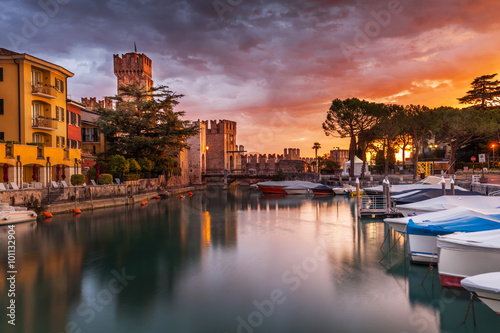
x=77, y=179
x=105, y=179
x=132, y=177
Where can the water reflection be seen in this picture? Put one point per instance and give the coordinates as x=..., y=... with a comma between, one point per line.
x=200, y=264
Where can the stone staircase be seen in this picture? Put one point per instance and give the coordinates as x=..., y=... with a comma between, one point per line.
x=54, y=195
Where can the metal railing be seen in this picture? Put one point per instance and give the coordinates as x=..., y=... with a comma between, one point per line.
x=373, y=204
x=44, y=123
x=38, y=88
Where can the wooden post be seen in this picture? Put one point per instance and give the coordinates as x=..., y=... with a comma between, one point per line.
x=388, y=196
x=443, y=185
x=358, y=196
x=452, y=187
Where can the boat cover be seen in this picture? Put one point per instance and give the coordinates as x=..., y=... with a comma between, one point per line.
x=427, y=194
x=447, y=202
x=459, y=219
x=322, y=187
x=488, y=282
x=472, y=241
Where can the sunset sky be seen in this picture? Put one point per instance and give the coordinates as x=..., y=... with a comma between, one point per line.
x=273, y=66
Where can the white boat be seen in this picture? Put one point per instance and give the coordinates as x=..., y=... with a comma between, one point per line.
x=298, y=189
x=11, y=215
x=448, y=202
x=345, y=190
x=423, y=229
x=431, y=182
x=487, y=288
x=467, y=254
x=278, y=187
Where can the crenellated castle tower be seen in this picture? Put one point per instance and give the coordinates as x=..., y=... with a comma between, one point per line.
x=133, y=68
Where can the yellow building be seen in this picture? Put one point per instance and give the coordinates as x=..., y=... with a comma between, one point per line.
x=33, y=124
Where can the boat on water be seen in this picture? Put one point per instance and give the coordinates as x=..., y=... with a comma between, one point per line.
x=487, y=288
x=467, y=254
x=423, y=194
x=423, y=229
x=345, y=190
x=322, y=190
x=431, y=182
x=278, y=187
x=297, y=189
x=11, y=215
x=447, y=202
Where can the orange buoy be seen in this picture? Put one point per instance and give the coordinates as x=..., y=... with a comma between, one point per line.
x=190, y=193
x=157, y=197
x=144, y=202
x=181, y=196
x=77, y=211
x=47, y=214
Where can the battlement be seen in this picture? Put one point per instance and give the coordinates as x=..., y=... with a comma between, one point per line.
x=291, y=154
x=92, y=103
x=132, y=63
x=220, y=126
x=133, y=68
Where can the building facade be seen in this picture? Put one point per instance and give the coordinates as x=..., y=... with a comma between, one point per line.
x=33, y=120
x=93, y=142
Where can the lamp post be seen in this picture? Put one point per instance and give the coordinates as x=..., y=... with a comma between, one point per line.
x=493, y=147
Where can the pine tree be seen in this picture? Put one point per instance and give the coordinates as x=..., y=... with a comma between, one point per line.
x=144, y=124
x=484, y=93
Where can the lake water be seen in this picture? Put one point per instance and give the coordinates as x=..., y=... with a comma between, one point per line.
x=226, y=261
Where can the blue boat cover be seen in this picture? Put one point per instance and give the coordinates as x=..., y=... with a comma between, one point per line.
x=467, y=223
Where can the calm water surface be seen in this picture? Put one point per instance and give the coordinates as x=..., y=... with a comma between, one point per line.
x=226, y=261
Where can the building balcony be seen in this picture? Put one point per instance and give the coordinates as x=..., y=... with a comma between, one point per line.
x=41, y=90
x=90, y=138
x=43, y=123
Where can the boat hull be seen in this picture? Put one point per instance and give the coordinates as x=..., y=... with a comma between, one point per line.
x=453, y=266
x=272, y=189
x=323, y=192
x=297, y=191
x=423, y=249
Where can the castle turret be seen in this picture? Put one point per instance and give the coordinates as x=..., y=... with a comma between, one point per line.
x=133, y=68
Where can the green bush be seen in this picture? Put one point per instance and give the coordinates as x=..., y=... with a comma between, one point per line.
x=105, y=179
x=77, y=179
x=133, y=166
x=117, y=165
x=132, y=177
x=92, y=173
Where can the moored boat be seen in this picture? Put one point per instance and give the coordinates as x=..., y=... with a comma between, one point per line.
x=321, y=190
x=487, y=288
x=447, y=202
x=431, y=182
x=278, y=187
x=423, y=229
x=11, y=215
x=467, y=254
x=297, y=189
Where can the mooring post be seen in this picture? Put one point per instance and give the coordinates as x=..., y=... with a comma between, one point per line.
x=358, y=196
x=443, y=185
x=452, y=182
x=388, y=196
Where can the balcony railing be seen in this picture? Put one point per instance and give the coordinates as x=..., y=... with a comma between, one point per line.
x=43, y=123
x=42, y=90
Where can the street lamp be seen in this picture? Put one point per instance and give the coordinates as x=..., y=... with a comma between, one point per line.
x=493, y=147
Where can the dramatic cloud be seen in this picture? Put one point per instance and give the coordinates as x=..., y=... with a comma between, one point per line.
x=273, y=66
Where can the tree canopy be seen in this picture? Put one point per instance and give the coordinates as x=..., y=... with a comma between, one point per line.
x=144, y=124
x=350, y=118
x=485, y=92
